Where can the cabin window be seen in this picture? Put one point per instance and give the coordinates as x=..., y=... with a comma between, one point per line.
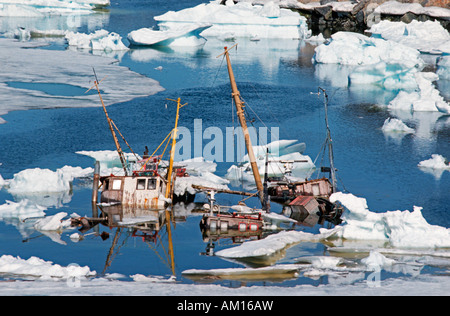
x=140, y=184
x=116, y=184
x=151, y=184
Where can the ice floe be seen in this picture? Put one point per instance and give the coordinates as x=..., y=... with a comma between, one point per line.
x=53, y=222
x=38, y=268
x=39, y=180
x=240, y=20
x=435, y=162
x=38, y=8
x=427, y=37
x=425, y=98
x=399, y=8
x=64, y=68
x=377, y=61
x=100, y=40
x=350, y=48
x=175, y=36
x=399, y=228
x=393, y=125
x=435, y=166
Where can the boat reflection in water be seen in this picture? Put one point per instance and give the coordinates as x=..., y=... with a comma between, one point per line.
x=149, y=224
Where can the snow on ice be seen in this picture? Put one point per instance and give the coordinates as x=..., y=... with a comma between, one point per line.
x=399, y=228
x=285, y=156
x=45, y=180
x=100, y=40
x=38, y=8
x=175, y=36
x=240, y=20
x=435, y=166
x=393, y=63
x=393, y=125
x=427, y=37
x=38, y=268
x=54, y=67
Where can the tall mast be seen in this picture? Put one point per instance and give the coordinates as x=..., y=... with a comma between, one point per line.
x=172, y=151
x=240, y=112
x=110, y=123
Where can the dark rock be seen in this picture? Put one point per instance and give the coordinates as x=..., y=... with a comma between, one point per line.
x=326, y=12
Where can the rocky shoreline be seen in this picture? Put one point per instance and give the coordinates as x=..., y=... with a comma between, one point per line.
x=330, y=16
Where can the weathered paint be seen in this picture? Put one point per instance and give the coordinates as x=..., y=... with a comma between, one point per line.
x=142, y=191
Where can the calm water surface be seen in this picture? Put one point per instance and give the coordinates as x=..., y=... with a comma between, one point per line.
x=276, y=78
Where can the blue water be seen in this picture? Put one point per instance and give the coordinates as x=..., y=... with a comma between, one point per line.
x=277, y=85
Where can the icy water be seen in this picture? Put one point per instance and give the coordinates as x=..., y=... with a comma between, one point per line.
x=277, y=79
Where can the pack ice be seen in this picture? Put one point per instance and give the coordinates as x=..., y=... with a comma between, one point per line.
x=393, y=63
x=39, y=8
x=52, y=67
x=239, y=20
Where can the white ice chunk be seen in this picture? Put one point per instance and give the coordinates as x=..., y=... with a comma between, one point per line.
x=402, y=229
x=393, y=125
x=45, y=180
x=426, y=98
x=53, y=223
x=39, y=268
x=177, y=36
x=242, y=20
x=270, y=245
x=55, y=67
x=350, y=48
x=99, y=40
x=35, y=8
x=376, y=261
x=399, y=8
x=435, y=162
x=427, y=37
x=184, y=184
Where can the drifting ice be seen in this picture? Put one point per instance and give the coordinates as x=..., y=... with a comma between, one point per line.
x=377, y=61
x=38, y=8
x=435, y=162
x=403, y=229
x=396, y=126
x=427, y=37
x=39, y=268
x=181, y=36
x=425, y=98
x=240, y=20
x=46, y=181
x=100, y=40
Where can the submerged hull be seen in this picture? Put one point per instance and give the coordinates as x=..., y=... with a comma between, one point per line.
x=226, y=222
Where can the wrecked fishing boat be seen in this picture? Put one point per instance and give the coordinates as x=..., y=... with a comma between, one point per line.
x=303, y=198
x=310, y=196
x=143, y=184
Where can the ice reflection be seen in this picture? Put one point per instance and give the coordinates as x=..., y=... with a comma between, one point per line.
x=71, y=22
x=267, y=53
